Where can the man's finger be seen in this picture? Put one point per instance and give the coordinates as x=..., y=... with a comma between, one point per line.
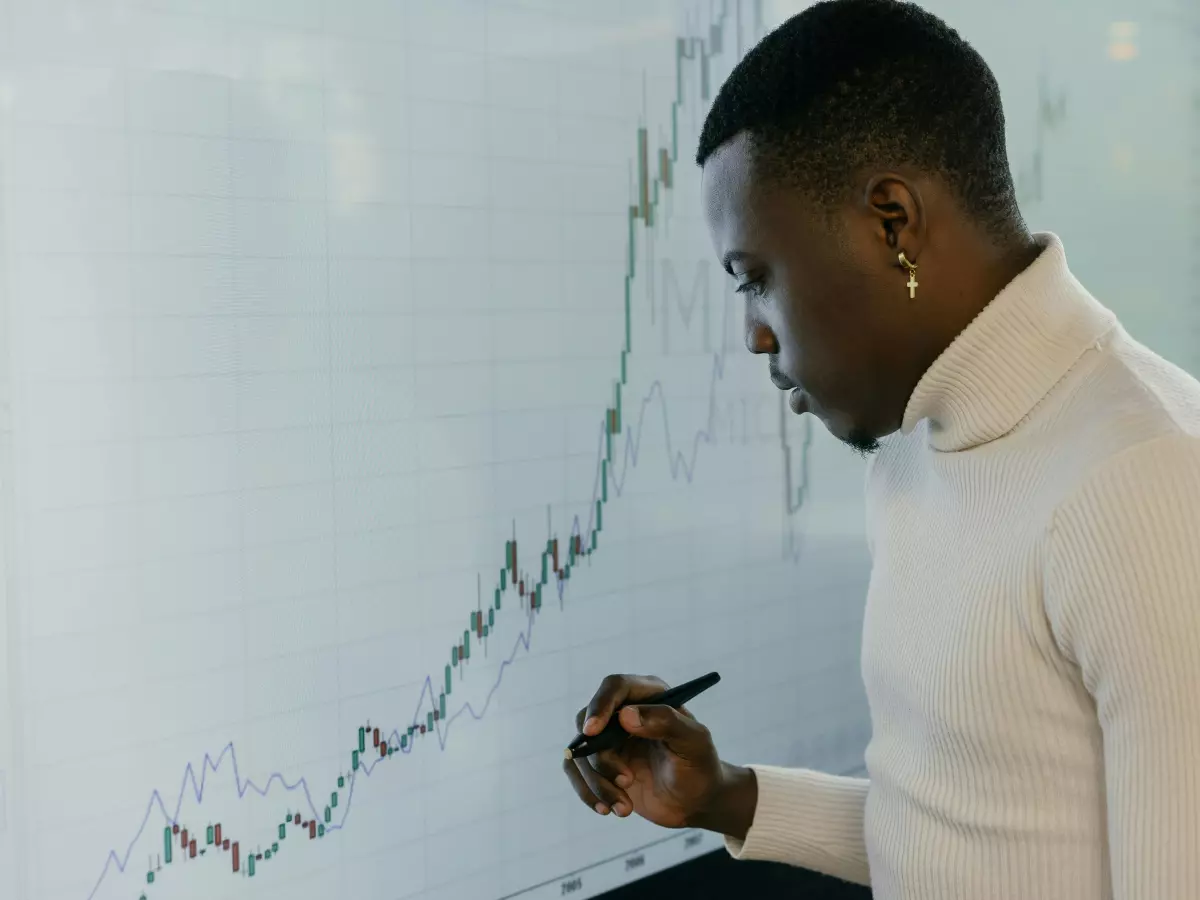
x=681, y=734
x=585, y=793
x=608, y=793
x=613, y=691
x=612, y=766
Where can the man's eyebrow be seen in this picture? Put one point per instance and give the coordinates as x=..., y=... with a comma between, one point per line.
x=731, y=257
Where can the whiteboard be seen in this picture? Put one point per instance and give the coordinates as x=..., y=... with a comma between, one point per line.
x=369, y=392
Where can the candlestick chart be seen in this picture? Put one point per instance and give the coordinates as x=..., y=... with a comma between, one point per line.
x=174, y=838
x=199, y=113
x=298, y=672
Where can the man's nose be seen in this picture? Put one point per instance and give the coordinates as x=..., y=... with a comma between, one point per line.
x=760, y=338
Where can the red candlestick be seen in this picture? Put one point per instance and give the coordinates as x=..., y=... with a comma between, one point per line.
x=237, y=857
x=312, y=829
x=217, y=835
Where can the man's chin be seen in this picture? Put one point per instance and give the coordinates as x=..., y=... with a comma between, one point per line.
x=861, y=442
x=857, y=438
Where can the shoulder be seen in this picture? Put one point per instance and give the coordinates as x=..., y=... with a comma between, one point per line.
x=1130, y=425
x=1123, y=396
x=1121, y=405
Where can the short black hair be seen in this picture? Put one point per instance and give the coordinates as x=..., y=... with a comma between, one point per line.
x=848, y=85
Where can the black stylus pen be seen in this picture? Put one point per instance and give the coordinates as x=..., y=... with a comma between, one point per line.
x=612, y=734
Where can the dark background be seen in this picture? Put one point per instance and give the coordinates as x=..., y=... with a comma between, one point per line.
x=718, y=875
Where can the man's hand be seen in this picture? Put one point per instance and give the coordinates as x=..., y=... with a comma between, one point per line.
x=667, y=771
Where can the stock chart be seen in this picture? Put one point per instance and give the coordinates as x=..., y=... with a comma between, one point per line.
x=370, y=391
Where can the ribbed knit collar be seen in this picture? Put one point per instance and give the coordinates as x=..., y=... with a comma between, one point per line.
x=1010, y=356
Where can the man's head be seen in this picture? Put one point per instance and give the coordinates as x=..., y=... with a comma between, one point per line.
x=857, y=130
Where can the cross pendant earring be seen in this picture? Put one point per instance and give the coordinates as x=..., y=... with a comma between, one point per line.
x=912, y=275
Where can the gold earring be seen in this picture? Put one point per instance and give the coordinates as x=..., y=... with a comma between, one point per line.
x=912, y=275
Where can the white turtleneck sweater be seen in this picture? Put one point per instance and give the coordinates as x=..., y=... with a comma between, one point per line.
x=1031, y=642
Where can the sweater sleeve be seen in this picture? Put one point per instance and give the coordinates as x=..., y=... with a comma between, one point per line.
x=808, y=819
x=1123, y=598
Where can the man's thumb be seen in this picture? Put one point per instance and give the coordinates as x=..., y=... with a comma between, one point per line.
x=662, y=723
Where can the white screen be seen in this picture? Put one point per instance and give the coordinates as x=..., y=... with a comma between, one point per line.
x=311, y=307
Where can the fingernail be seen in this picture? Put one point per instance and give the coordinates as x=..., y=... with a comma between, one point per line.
x=633, y=715
x=591, y=725
x=602, y=809
x=624, y=780
x=621, y=809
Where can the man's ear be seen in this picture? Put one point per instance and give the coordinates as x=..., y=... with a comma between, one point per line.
x=894, y=202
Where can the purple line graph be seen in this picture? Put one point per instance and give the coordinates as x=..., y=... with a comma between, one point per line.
x=681, y=463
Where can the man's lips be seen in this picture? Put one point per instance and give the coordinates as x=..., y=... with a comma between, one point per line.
x=797, y=399
x=780, y=380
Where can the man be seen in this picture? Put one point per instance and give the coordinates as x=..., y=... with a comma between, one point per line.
x=1031, y=644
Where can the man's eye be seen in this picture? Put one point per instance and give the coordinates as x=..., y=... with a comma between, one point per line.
x=753, y=288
